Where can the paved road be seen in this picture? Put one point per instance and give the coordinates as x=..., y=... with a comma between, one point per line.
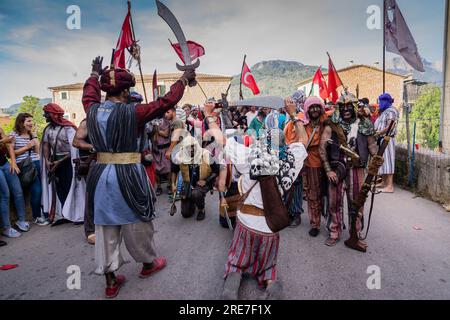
x=414, y=264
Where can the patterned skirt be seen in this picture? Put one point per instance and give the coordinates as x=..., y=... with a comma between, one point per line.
x=389, y=159
x=254, y=253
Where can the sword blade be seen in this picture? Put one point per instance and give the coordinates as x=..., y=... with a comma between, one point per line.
x=227, y=217
x=174, y=25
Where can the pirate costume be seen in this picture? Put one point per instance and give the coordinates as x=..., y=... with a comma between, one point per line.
x=354, y=135
x=254, y=248
x=119, y=192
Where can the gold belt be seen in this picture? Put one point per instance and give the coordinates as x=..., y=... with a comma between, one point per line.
x=252, y=210
x=118, y=158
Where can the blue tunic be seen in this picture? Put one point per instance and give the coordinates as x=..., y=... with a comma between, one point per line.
x=110, y=207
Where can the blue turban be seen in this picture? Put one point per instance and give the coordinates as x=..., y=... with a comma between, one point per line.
x=385, y=101
x=136, y=97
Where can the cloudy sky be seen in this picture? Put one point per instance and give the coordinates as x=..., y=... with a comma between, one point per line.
x=37, y=50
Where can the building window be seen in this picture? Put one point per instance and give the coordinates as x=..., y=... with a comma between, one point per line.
x=161, y=90
x=74, y=116
x=64, y=95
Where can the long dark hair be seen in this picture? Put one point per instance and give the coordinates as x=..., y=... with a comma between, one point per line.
x=19, y=126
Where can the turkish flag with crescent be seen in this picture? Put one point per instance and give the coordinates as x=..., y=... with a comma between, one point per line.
x=248, y=80
x=125, y=41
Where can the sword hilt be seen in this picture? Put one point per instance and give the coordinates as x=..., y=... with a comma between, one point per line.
x=190, y=67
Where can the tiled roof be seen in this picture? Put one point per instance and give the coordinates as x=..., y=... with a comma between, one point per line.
x=149, y=78
x=306, y=81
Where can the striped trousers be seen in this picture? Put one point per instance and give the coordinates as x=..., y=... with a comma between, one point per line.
x=314, y=178
x=351, y=185
x=388, y=166
x=296, y=206
x=254, y=253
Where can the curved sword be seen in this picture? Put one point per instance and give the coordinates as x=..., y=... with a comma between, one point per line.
x=172, y=21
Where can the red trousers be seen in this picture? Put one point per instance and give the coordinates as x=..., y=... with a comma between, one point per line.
x=314, y=180
x=351, y=185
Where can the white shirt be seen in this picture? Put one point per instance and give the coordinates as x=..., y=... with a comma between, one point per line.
x=239, y=154
x=250, y=116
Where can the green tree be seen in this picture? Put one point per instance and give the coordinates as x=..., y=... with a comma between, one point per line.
x=30, y=105
x=426, y=112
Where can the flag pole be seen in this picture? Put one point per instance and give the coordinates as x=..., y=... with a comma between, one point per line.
x=241, y=96
x=206, y=97
x=112, y=58
x=312, y=85
x=139, y=60
x=384, y=46
x=155, y=86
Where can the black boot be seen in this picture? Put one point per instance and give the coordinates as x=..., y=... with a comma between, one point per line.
x=2, y=243
x=314, y=232
x=60, y=222
x=201, y=215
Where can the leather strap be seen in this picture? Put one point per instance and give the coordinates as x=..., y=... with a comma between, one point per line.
x=252, y=210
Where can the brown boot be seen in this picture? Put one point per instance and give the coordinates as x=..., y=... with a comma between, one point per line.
x=357, y=245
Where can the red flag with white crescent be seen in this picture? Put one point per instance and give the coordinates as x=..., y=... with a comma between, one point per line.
x=248, y=80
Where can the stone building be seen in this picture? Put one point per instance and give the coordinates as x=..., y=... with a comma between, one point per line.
x=369, y=81
x=69, y=96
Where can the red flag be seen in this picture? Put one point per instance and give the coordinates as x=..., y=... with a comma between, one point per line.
x=196, y=50
x=155, y=87
x=248, y=80
x=125, y=41
x=334, y=81
x=320, y=81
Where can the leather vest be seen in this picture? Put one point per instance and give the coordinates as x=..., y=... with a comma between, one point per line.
x=335, y=154
x=204, y=167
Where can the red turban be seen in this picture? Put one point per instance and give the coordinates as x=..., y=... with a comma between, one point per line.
x=113, y=81
x=57, y=115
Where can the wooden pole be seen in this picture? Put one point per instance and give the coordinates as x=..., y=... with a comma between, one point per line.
x=406, y=109
x=241, y=96
x=139, y=60
x=444, y=78
x=206, y=97
x=413, y=157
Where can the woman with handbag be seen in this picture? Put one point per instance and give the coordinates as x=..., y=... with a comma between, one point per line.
x=26, y=148
x=10, y=184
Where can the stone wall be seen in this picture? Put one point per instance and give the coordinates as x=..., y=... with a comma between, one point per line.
x=431, y=174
